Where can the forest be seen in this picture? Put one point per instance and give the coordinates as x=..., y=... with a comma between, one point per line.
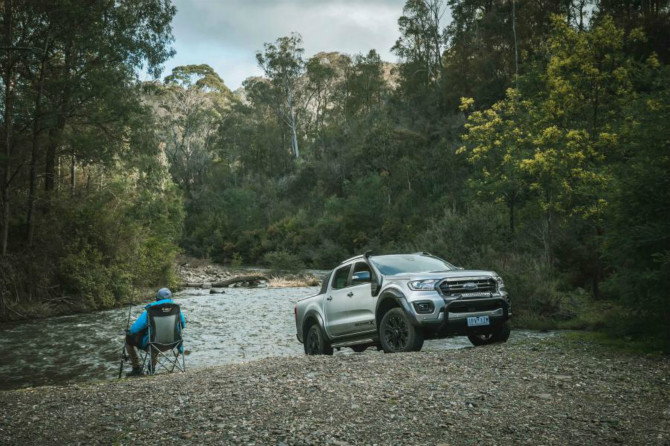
x=527, y=137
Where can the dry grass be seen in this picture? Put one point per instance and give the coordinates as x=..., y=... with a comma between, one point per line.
x=293, y=281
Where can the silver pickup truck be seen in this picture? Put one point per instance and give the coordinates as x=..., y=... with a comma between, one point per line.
x=394, y=302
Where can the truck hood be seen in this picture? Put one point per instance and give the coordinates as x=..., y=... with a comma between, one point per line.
x=456, y=274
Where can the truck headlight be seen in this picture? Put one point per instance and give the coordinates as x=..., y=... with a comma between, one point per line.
x=423, y=285
x=501, y=284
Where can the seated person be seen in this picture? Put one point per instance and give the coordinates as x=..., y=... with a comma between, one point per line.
x=138, y=334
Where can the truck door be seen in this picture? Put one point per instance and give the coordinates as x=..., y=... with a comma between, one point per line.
x=350, y=307
x=336, y=304
x=361, y=302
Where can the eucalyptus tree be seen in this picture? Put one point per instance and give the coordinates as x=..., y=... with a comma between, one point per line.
x=491, y=43
x=321, y=79
x=365, y=84
x=283, y=64
x=190, y=107
x=422, y=40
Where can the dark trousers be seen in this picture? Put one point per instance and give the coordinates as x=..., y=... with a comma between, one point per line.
x=133, y=341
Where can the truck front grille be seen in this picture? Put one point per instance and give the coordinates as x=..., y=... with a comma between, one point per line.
x=473, y=306
x=456, y=287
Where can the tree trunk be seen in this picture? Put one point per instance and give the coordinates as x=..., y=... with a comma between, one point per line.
x=8, y=77
x=597, y=266
x=250, y=281
x=516, y=48
x=34, y=154
x=292, y=123
x=73, y=179
x=50, y=165
x=56, y=132
x=512, y=202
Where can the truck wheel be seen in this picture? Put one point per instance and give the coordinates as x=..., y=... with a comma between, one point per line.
x=315, y=343
x=397, y=334
x=501, y=335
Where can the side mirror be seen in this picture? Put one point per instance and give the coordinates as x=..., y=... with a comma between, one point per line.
x=360, y=277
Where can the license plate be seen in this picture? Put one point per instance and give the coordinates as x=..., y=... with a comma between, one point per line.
x=478, y=321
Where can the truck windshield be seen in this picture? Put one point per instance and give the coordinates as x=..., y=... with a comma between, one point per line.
x=411, y=263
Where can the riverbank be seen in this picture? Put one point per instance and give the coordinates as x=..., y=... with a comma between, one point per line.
x=206, y=274
x=553, y=391
x=187, y=270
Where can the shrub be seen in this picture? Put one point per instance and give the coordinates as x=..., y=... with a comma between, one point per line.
x=283, y=261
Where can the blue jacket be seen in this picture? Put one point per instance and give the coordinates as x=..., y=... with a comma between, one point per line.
x=141, y=322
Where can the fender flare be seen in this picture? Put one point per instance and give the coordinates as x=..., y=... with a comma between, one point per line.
x=313, y=314
x=400, y=301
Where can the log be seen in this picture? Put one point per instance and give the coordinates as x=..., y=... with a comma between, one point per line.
x=249, y=281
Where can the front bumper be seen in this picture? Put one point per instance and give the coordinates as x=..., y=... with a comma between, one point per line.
x=457, y=312
x=451, y=319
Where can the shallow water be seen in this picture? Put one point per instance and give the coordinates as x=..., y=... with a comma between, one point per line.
x=238, y=325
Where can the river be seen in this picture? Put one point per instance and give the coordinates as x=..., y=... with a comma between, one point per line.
x=237, y=325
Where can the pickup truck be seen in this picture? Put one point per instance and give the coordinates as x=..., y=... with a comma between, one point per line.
x=394, y=302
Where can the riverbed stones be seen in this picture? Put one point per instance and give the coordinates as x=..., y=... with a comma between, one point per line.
x=499, y=394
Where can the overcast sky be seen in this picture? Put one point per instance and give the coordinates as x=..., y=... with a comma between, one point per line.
x=226, y=34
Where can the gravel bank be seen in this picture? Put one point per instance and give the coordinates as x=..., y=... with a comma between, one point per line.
x=539, y=392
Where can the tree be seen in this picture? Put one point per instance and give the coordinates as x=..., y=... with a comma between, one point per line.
x=498, y=140
x=320, y=85
x=636, y=244
x=365, y=86
x=491, y=43
x=421, y=43
x=190, y=106
x=283, y=65
x=70, y=98
x=560, y=143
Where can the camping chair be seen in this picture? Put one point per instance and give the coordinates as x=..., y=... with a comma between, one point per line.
x=164, y=344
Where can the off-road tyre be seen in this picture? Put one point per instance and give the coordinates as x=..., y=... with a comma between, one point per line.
x=498, y=336
x=316, y=343
x=397, y=334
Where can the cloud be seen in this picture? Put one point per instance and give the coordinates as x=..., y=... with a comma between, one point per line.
x=227, y=34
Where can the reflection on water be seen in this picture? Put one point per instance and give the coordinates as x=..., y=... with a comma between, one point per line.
x=238, y=325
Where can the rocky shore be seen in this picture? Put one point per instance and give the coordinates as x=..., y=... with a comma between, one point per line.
x=203, y=274
x=552, y=391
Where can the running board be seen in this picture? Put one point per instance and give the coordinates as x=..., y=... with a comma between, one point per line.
x=368, y=341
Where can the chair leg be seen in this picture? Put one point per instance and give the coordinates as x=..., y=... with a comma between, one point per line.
x=168, y=359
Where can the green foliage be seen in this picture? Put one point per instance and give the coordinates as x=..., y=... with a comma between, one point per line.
x=530, y=138
x=637, y=241
x=283, y=261
x=590, y=151
x=89, y=208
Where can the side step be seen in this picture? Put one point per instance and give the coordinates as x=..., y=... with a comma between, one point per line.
x=368, y=341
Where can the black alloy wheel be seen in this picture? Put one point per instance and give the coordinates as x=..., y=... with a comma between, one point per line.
x=315, y=343
x=397, y=334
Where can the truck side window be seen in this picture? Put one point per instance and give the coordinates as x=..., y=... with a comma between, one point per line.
x=361, y=274
x=341, y=277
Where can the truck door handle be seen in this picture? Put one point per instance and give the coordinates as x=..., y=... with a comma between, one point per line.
x=329, y=298
x=350, y=294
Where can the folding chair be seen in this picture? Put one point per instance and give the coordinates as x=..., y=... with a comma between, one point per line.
x=164, y=345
